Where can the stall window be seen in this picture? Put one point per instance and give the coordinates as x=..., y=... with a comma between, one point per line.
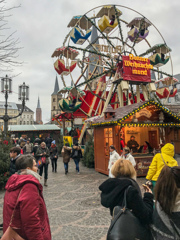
x=176, y=133
x=108, y=140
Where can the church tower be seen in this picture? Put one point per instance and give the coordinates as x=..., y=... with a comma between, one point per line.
x=55, y=97
x=38, y=113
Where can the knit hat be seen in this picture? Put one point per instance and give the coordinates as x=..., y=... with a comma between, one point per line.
x=53, y=142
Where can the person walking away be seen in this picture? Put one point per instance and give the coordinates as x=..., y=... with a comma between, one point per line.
x=15, y=153
x=48, y=142
x=166, y=217
x=66, y=156
x=159, y=161
x=43, y=153
x=76, y=155
x=127, y=156
x=132, y=144
x=24, y=210
x=114, y=156
x=37, y=140
x=34, y=150
x=53, y=156
x=27, y=149
x=113, y=190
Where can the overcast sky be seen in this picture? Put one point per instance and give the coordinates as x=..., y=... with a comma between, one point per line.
x=41, y=26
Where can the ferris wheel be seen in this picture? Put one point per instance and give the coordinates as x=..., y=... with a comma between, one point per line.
x=93, y=57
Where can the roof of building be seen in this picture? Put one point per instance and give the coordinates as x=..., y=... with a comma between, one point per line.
x=125, y=112
x=26, y=109
x=39, y=127
x=174, y=108
x=38, y=103
x=56, y=87
x=11, y=105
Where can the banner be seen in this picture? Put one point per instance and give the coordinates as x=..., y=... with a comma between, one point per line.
x=136, y=69
x=67, y=139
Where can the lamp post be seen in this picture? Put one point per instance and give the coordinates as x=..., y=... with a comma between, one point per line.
x=6, y=88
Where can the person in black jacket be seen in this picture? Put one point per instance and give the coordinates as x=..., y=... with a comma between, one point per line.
x=15, y=153
x=34, y=150
x=113, y=189
x=53, y=156
x=76, y=155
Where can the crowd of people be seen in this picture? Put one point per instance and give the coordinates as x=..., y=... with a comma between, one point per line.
x=158, y=211
x=24, y=212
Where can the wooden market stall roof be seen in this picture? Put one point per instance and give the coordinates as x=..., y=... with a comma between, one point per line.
x=127, y=116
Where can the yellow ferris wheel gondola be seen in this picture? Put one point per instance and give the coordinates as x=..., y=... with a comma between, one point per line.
x=108, y=21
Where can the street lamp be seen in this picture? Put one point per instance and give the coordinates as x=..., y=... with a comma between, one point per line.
x=6, y=88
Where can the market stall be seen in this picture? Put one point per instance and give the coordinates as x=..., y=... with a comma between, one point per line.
x=146, y=121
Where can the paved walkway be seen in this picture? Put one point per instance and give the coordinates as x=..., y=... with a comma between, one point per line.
x=73, y=204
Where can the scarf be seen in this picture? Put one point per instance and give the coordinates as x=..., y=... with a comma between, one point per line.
x=29, y=172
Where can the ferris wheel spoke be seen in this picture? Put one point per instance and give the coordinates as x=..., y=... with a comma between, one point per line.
x=100, y=31
x=119, y=25
x=94, y=77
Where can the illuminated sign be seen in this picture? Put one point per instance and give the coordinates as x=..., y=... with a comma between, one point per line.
x=136, y=68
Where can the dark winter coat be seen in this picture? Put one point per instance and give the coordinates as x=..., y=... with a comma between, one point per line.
x=48, y=142
x=12, y=168
x=35, y=148
x=162, y=227
x=130, y=144
x=30, y=219
x=112, y=194
x=40, y=151
x=67, y=154
x=77, y=155
x=53, y=152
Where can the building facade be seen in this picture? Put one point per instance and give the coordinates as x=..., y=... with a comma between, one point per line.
x=13, y=109
x=27, y=117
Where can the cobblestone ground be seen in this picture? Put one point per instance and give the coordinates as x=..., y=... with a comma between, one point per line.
x=73, y=204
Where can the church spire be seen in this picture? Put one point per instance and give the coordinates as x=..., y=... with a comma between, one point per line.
x=56, y=87
x=38, y=103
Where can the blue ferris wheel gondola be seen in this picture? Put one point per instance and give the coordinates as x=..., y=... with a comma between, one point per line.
x=77, y=37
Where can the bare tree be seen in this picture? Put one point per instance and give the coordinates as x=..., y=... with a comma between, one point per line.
x=9, y=45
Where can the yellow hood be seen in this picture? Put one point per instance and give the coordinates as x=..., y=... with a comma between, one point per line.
x=168, y=149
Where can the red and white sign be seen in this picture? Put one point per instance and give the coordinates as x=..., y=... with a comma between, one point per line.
x=136, y=69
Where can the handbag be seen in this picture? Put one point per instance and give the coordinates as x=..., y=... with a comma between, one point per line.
x=39, y=163
x=125, y=225
x=10, y=234
x=43, y=159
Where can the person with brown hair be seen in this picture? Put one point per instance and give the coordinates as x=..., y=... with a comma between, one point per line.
x=15, y=153
x=43, y=154
x=113, y=189
x=24, y=211
x=66, y=153
x=166, y=217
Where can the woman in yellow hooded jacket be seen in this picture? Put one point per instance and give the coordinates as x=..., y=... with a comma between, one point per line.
x=159, y=160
